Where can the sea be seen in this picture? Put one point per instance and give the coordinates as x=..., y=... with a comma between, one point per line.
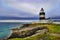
x=5, y=28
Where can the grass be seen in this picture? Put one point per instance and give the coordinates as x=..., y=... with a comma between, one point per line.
x=16, y=39
x=54, y=28
x=54, y=37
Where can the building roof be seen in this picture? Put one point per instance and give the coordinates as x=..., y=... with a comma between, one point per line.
x=42, y=9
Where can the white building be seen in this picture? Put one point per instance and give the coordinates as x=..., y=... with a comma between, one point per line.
x=42, y=18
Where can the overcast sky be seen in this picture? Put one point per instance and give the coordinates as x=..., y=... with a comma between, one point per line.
x=29, y=8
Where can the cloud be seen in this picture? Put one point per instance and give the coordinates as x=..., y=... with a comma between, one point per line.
x=22, y=6
x=14, y=13
x=31, y=7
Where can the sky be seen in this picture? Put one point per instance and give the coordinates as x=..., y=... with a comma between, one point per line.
x=29, y=8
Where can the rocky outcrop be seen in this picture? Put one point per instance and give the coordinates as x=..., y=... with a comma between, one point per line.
x=26, y=33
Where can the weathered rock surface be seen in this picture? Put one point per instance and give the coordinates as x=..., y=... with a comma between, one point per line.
x=27, y=32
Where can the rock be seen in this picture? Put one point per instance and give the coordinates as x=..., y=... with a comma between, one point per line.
x=27, y=33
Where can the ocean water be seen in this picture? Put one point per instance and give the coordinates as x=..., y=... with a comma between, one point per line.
x=5, y=28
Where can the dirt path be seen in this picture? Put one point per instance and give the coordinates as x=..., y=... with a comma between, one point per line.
x=54, y=34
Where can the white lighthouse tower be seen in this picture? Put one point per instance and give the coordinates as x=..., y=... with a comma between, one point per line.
x=42, y=14
x=42, y=18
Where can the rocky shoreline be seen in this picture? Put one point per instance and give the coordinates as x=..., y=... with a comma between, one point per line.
x=37, y=31
x=27, y=31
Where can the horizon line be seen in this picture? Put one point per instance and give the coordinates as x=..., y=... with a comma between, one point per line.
x=19, y=20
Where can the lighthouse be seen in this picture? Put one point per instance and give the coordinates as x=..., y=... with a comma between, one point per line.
x=42, y=18
x=42, y=14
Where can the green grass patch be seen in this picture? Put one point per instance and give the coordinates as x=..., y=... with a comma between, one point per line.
x=54, y=37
